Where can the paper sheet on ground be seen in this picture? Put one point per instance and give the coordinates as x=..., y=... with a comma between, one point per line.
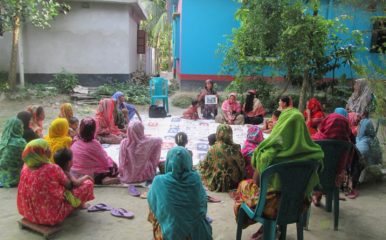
x=197, y=131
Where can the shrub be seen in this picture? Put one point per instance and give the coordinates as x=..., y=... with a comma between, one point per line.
x=65, y=82
x=182, y=100
x=4, y=82
x=136, y=94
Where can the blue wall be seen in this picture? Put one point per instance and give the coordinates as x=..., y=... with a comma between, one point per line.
x=204, y=26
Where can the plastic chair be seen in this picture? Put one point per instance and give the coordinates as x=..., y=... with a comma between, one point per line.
x=333, y=152
x=159, y=90
x=294, y=178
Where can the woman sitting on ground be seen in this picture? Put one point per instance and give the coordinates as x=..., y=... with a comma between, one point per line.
x=139, y=155
x=89, y=157
x=38, y=117
x=285, y=102
x=279, y=147
x=360, y=99
x=336, y=126
x=254, y=111
x=223, y=167
x=177, y=201
x=369, y=147
x=107, y=130
x=57, y=136
x=12, y=145
x=208, y=111
x=313, y=115
x=191, y=112
x=231, y=111
x=42, y=196
x=28, y=133
x=66, y=111
x=119, y=97
x=254, y=138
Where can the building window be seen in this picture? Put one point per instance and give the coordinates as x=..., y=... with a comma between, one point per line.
x=378, y=36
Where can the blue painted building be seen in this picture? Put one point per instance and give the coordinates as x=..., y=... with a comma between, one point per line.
x=200, y=26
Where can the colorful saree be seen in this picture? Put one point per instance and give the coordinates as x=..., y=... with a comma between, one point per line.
x=36, y=123
x=316, y=117
x=254, y=138
x=223, y=167
x=66, y=111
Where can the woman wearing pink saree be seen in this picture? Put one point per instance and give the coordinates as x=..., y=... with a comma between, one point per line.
x=139, y=155
x=89, y=157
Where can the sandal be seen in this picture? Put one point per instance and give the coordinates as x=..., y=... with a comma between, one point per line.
x=213, y=199
x=122, y=213
x=133, y=191
x=100, y=207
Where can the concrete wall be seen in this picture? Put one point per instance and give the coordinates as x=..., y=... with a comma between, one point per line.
x=100, y=39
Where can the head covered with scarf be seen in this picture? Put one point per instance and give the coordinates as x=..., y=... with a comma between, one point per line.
x=66, y=111
x=288, y=141
x=57, y=136
x=105, y=118
x=361, y=97
x=36, y=153
x=178, y=199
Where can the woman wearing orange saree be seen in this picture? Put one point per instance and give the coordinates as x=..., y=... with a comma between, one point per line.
x=313, y=115
x=38, y=117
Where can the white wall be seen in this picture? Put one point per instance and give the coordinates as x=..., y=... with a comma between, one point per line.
x=101, y=39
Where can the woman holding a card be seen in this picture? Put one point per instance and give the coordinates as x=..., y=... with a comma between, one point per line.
x=208, y=100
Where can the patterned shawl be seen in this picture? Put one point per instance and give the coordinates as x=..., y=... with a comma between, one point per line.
x=66, y=111
x=35, y=153
x=105, y=118
x=360, y=98
x=178, y=199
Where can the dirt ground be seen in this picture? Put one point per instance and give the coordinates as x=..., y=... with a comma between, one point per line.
x=362, y=218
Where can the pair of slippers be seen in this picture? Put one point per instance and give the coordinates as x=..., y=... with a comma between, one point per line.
x=116, y=212
x=213, y=199
x=133, y=191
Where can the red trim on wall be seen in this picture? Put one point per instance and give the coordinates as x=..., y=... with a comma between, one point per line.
x=183, y=76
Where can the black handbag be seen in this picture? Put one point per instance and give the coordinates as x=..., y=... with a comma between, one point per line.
x=157, y=111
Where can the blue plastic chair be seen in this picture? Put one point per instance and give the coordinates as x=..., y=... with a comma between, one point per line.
x=294, y=178
x=333, y=152
x=159, y=90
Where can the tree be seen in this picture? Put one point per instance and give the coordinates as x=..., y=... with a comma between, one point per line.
x=13, y=13
x=159, y=30
x=285, y=35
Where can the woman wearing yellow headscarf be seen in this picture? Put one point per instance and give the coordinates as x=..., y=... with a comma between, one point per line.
x=57, y=136
x=66, y=111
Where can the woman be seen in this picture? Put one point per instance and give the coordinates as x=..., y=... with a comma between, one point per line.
x=336, y=126
x=41, y=196
x=360, y=99
x=369, y=147
x=89, y=157
x=57, y=136
x=107, y=131
x=12, y=145
x=223, y=167
x=28, y=133
x=254, y=111
x=178, y=202
x=231, y=111
x=254, y=138
x=139, y=155
x=207, y=109
x=119, y=97
x=66, y=111
x=285, y=102
x=313, y=115
x=38, y=117
x=279, y=147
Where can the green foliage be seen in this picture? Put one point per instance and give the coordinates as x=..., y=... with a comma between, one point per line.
x=265, y=91
x=65, y=82
x=4, y=82
x=38, y=12
x=182, y=100
x=136, y=94
x=289, y=37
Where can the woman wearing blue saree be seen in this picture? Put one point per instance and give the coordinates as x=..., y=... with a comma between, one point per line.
x=177, y=201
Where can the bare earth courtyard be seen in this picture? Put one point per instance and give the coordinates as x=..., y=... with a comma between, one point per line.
x=362, y=218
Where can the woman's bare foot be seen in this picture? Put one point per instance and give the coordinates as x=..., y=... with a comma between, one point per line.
x=110, y=181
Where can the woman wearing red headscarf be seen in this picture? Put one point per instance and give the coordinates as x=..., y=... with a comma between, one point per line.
x=313, y=115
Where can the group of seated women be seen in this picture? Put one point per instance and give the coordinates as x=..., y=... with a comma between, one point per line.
x=73, y=158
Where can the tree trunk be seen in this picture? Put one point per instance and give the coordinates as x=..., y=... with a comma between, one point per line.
x=288, y=79
x=15, y=44
x=303, y=91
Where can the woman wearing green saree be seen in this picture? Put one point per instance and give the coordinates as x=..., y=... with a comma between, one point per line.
x=289, y=141
x=12, y=145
